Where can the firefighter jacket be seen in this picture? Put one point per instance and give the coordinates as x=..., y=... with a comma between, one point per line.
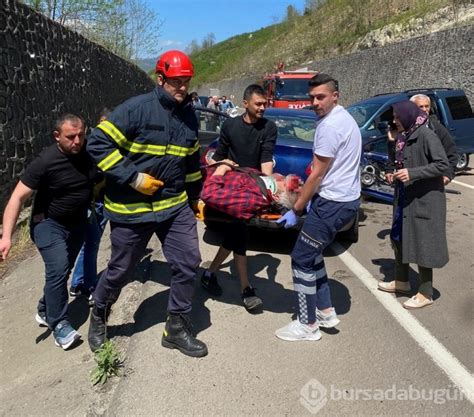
x=152, y=134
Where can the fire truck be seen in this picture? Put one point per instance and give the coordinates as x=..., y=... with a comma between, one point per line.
x=288, y=89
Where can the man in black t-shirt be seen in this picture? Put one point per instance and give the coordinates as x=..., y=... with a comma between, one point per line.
x=249, y=141
x=63, y=176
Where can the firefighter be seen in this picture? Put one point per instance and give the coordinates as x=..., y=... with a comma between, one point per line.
x=149, y=152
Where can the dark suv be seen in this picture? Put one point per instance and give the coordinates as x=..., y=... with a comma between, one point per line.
x=450, y=106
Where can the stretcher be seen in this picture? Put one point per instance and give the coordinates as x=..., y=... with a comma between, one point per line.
x=265, y=221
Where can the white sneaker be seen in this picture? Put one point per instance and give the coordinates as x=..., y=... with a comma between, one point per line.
x=298, y=331
x=327, y=320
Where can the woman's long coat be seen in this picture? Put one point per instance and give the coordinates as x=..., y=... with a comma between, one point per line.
x=424, y=213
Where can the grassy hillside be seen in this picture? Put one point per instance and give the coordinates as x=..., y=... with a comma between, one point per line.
x=330, y=30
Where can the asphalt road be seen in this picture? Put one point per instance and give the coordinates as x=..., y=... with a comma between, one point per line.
x=382, y=360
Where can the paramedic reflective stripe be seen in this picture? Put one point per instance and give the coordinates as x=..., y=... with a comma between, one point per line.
x=136, y=208
x=195, y=176
x=110, y=161
x=159, y=150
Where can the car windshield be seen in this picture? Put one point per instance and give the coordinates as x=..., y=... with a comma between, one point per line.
x=294, y=128
x=363, y=112
x=292, y=88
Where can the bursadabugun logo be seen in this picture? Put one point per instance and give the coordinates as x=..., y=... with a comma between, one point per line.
x=314, y=396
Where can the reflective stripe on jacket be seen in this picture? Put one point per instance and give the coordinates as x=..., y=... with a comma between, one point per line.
x=152, y=134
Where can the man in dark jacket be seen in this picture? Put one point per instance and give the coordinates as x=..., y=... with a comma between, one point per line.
x=424, y=103
x=149, y=152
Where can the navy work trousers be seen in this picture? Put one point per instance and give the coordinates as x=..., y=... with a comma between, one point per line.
x=324, y=220
x=179, y=240
x=58, y=245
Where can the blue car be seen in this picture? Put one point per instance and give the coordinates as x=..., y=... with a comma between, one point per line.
x=450, y=106
x=293, y=153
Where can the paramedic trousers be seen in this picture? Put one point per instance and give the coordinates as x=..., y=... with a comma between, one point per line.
x=324, y=220
x=179, y=240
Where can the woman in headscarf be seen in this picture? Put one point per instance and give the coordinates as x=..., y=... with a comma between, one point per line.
x=418, y=232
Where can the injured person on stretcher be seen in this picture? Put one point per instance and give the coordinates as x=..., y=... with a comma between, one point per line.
x=245, y=193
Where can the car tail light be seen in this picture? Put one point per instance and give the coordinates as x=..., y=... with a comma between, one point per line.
x=308, y=169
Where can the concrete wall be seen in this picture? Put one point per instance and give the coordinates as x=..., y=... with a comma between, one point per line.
x=442, y=59
x=47, y=70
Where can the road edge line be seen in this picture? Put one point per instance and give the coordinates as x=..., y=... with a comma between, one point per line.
x=463, y=184
x=441, y=356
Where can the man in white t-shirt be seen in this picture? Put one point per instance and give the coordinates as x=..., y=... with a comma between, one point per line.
x=333, y=187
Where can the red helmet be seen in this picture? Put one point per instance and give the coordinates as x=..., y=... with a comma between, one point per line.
x=174, y=64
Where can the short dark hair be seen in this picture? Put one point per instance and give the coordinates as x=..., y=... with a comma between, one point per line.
x=68, y=117
x=253, y=89
x=321, y=79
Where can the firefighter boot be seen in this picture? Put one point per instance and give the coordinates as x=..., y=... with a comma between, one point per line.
x=178, y=335
x=98, y=327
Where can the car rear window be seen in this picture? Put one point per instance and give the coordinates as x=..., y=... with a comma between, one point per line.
x=459, y=107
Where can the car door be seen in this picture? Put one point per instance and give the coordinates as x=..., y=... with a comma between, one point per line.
x=459, y=119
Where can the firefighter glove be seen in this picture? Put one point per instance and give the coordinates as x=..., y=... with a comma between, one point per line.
x=146, y=184
x=198, y=207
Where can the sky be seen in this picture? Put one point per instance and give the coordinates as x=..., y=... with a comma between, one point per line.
x=185, y=20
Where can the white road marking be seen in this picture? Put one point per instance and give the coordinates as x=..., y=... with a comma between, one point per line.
x=438, y=353
x=463, y=184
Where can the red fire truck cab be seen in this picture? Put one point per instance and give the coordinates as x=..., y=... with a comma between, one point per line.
x=288, y=89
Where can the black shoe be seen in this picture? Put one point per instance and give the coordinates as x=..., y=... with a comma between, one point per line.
x=209, y=282
x=97, y=328
x=250, y=300
x=178, y=335
x=90, y=300
x=75, y=290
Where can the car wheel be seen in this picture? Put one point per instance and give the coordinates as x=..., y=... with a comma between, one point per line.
x=352, y=234
x=463, y=162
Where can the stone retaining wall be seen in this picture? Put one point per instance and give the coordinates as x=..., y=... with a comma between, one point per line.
x=441, y=59
x=47, y=70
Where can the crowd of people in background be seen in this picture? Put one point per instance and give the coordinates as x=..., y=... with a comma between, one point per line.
x=139, y=169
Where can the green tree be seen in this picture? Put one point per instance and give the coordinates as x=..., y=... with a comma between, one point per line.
x=208, y=41
x=193, y=47
x=310, y=5
x=128, y=28
x=291, y=13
